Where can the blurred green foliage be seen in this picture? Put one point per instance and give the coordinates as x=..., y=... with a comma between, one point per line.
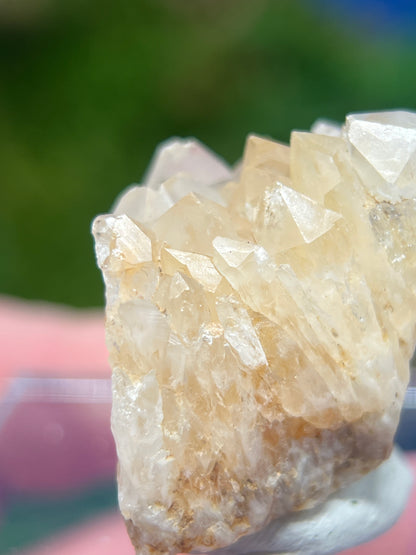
x=88, y=89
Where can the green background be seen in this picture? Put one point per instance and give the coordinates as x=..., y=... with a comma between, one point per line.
x=88, y=89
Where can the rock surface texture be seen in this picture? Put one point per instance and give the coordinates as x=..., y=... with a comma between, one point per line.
x=260, y=323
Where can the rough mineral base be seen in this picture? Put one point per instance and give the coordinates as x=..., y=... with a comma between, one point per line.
x=260, y=322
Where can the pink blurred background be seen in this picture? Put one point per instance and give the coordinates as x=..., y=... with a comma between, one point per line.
x=59, y=449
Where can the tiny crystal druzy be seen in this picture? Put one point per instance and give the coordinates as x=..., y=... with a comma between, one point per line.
x=260, y=323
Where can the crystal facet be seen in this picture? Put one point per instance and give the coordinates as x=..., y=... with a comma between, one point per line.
x=260, y=324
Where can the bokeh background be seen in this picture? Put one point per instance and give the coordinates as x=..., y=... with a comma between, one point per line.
x=88, y=89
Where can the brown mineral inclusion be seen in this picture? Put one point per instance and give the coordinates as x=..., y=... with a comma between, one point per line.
x=260, y=323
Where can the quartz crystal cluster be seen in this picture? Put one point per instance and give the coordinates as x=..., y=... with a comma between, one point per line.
x=260, y=322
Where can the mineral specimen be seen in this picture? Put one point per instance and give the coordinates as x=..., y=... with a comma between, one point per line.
x=260, y=323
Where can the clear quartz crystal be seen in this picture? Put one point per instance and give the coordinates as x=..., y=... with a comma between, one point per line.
x=260, y=324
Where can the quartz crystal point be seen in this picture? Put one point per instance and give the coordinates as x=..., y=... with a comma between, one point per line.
x=260, y=324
